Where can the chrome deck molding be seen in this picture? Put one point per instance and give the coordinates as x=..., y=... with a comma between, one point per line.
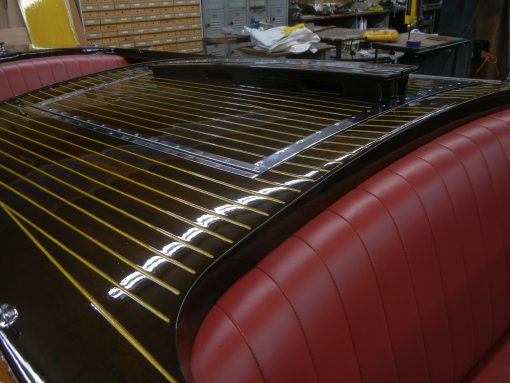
x=85, y=90
x=218, y=162
x=231, y=165
x=18, y=362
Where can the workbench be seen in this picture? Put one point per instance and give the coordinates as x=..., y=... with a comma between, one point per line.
x=431, y=45
x=226, y=41
x=339, y=37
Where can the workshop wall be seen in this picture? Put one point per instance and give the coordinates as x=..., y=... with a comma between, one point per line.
x=12, y=27
x=492, y=25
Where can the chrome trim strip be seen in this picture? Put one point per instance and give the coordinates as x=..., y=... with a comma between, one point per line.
x=230, y=165
x=17, y=362
x=323, y=134
x=84, y=90
x=477, y=81
x=219, y=162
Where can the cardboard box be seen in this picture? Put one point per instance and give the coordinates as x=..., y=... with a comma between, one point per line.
x=93, y=28
x=92, y=21
x=168, y=35
x=106, y=13
x=110, y=34
x=126, y=39
x=108, y=20
x=106, y=7
x=125, y=24
x=110, y=41
x=168, y=28
x=126, y=32
x=89, y=7
x=93, y=35
x=108, y=28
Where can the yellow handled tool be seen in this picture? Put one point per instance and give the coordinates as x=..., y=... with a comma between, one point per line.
x=386, y=35
x=287, y=30
x=411, y=8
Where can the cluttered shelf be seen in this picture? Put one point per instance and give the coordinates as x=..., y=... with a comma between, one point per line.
x=350, y=15
x=389, y=16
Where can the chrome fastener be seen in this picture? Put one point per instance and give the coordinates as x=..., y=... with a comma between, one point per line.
x=8, y=315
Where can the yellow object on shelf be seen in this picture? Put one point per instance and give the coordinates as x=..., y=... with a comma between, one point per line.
x=385, y=35
x=49, y=23
x=377, y=8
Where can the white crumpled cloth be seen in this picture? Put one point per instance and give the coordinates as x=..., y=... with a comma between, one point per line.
x=280, y=39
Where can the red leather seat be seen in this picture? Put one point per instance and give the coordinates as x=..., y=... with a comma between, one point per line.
x=404, y=279
x=495, y=367
x=18, y=77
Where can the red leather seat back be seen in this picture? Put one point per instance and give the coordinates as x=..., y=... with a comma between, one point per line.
x=404, y=279
x=17, y=77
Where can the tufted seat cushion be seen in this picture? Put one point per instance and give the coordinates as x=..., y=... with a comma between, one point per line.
x=404, y=279
x=18, y=77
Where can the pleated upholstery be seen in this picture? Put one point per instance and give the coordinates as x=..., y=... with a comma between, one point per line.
x=18, y=77
x=404, y=279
